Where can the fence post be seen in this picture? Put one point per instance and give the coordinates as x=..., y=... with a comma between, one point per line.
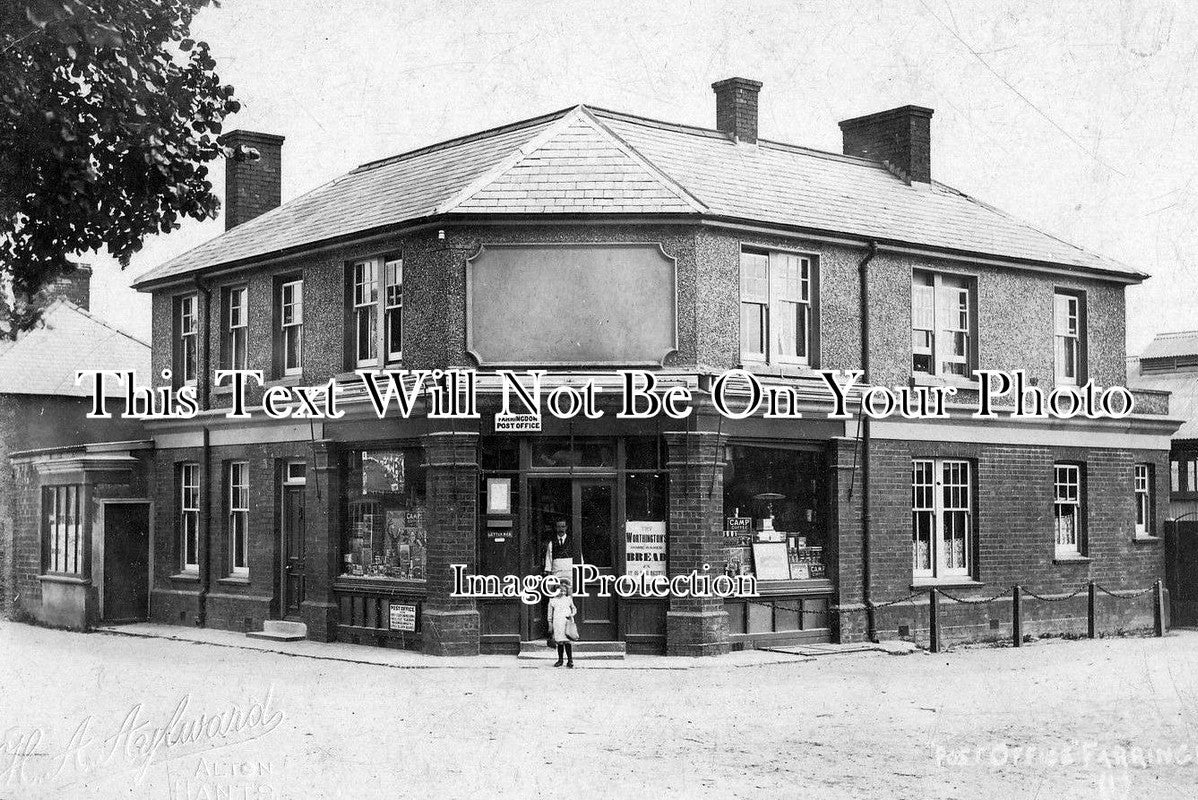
x=1158, y=608
x=1093, y=611
x=1016, y=617
x=934, y=619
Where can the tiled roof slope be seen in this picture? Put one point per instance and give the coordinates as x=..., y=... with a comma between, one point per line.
x=1171, y=345
x=44, y=360
x=587, y=160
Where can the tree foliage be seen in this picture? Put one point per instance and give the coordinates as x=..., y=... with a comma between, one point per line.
x=108, y=114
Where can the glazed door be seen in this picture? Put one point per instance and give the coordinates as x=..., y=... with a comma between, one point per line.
x=594, y=511
x=292, y=583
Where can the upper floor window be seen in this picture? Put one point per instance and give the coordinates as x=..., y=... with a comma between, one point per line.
x=777, y=314
x=62, y=529
x=377, y=311
x=1143, y=490
x=291, y=327
x=236, y=328
x=1069, y=337
x=239, y=514
x=943, y=325
x=189, y=516
x=941, y=518
x=1183, y=475
x=366, y=313
x=393, y=301
x=1067, y=509
x=186, y=339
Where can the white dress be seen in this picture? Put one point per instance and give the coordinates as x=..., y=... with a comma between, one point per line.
x=561, y=610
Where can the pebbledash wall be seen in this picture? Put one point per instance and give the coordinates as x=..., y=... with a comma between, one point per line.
x=1013, y=470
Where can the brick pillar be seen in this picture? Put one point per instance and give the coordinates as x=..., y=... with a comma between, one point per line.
x=449, y=626
x=845, y=493
x=696, y=626
x=322, y=506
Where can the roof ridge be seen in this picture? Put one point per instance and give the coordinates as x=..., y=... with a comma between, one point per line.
x=469, y=137
x=62, y=301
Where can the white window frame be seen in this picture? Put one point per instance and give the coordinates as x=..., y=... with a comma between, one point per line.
x=1068, y=337
x=189, y=516
x=1067, y=491
x=237, y=330
x=188, y=331
x=366, y=307
x=392, y=308
x=942, y=499
x=294, y=477
x=291, y=325
x=938, y=301
x=786, y=292
x=62, y=529
x=239, y=517
x=1142, y=486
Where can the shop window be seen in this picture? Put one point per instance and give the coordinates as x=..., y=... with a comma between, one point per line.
x=943, y=325
x=1143, y=490
x=189, y=516
x=290, y=343
x=62, y=530
x=774, y=508
x=239, y=516
x=236, y=326
x=1069, y=329
x=777, y=303
x=385, y=531
x=941, y=518
x=1067, y=510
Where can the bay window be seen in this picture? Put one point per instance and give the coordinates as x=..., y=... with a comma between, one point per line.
x=941, y=518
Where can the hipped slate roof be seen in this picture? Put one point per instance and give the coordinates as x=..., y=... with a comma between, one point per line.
x=585, y=160
x=44, y=360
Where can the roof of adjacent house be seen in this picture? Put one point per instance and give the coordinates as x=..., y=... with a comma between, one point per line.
x=44, y=360
x=586, y=160
x=1172, y=345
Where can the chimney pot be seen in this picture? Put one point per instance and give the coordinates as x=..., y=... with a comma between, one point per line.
x=252, y=187
x=902, y=137
x=736, y=108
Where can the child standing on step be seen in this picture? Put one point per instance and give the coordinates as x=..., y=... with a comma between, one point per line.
x=561, y=623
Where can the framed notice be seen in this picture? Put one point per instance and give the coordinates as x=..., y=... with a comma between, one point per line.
x=770, y=562
x=403, y=617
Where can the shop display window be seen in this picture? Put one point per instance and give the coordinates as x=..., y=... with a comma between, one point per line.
x=774, y=526
x=385, y=532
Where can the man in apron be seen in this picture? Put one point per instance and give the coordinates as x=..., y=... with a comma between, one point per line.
x=559, y=551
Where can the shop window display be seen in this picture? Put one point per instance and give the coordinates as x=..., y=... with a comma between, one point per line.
x=385, y=532
x=773, y=514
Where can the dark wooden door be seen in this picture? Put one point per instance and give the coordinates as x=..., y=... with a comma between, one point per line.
x=1181, y=572
x=292, y=584
x=126, y=561
x=594, y=510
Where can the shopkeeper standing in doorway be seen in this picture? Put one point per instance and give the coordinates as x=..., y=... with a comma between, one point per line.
x=559, y=551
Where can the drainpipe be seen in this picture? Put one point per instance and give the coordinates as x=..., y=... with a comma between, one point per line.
x=863, y=422
x=203, y=366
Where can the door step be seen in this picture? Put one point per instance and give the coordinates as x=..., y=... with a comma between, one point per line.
x=592, y=651
x=280, y=630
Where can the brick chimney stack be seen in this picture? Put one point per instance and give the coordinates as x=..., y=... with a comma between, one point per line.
x=75, y=286
x=253, y=187
x=736, y=108
x=902, y=137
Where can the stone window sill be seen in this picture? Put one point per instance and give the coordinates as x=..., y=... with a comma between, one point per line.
x=945, y=583
x=1076, y=559
x=186, y=576
x=235, y=580
x=74, y=580
x=1146, y=539
x=924, y=379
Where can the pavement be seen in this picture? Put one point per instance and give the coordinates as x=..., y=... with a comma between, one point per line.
x=192, y=715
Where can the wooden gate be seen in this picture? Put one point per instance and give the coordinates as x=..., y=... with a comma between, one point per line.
x=1181, y=571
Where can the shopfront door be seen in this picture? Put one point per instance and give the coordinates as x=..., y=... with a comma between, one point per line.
x=588, y=505
x=292, y=583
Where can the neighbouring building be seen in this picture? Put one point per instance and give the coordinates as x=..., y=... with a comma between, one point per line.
x=50, y=491
x=588, y=240
x=1170, y=364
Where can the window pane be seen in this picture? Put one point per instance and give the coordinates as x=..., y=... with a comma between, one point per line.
x=752, y=329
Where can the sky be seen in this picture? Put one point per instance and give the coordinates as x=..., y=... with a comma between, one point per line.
x=1078, y=117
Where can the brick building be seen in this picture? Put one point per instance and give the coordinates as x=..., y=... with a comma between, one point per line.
x=588, y=240
x=44, y=573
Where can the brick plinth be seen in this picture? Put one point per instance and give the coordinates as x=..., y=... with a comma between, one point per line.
x=696, y=626
x=449, y=625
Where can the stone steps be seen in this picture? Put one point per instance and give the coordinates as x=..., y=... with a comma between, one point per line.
x=280, y=630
